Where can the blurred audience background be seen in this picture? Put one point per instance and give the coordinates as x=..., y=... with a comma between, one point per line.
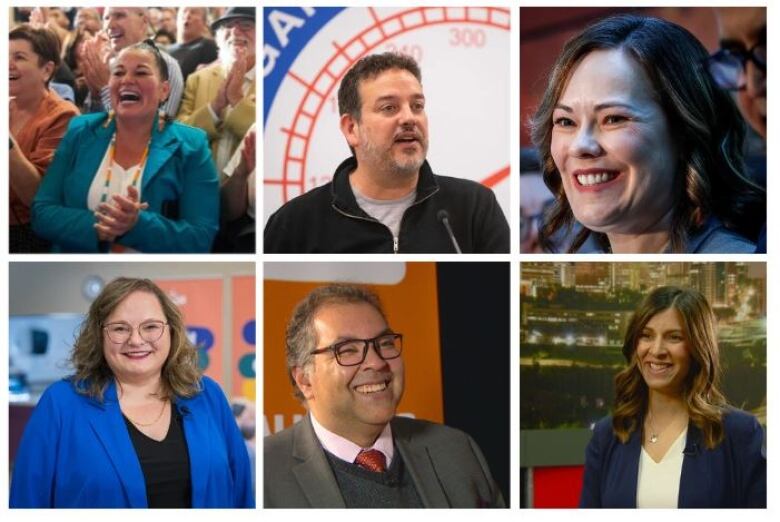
x=209, y=52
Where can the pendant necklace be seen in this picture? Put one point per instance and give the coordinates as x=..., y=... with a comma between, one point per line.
x=653, y=433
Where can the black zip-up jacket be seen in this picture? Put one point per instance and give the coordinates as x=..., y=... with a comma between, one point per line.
x=327, y=219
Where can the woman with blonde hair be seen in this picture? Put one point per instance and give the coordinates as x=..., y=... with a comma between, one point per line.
x=672, y=439
x=136, y=425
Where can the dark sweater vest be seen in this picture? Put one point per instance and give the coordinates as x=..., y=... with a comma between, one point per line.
x=365, y=489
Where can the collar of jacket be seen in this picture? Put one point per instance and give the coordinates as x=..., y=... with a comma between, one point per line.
x=693, y=439
x=111, y=398
x=162, y=144
x=344, y=199
x=109, y=427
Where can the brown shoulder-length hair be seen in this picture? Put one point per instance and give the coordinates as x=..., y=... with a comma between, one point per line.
x=180, y=373
x=45, y=44
x=701, y=391
x=705, y=123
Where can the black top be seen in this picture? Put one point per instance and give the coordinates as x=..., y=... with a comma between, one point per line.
x=165, y=464
x=328, y=219
x=190, y=55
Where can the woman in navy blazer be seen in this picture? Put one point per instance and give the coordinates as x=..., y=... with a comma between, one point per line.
x=168, y=198
x=136, y=425
x=671, y=385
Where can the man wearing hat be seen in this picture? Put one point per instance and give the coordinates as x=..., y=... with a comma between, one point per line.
x=220, y=99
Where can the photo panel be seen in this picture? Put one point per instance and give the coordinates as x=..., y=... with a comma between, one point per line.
x=598, y=340
x=447, y=375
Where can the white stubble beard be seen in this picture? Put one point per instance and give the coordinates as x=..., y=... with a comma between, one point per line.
x=387, y=162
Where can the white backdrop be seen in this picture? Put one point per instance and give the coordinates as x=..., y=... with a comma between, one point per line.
x=464, y=57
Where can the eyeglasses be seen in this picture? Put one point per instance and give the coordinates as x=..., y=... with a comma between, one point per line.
x=727, y=65
x=353, y=351
x=243, y=25
x=120, y=333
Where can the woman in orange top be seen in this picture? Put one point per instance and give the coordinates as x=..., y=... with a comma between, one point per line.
x=38, y=120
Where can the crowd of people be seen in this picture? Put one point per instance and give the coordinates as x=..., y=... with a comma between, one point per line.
x=132, y=130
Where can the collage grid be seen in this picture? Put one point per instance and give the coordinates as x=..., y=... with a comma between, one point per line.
x=258, y=265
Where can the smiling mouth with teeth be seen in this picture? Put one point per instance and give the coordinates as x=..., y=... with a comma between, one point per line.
x=129, y=97
x=658, y=367
x=137, y=355
x=589, y=180
x=371, y=388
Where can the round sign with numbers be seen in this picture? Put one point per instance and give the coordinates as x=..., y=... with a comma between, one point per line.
x=463, y=53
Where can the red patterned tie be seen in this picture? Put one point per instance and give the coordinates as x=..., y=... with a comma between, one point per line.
x=372, y=460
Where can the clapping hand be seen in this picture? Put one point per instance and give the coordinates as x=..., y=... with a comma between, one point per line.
x=231, y=91
x=118, y=217
x=94, y=55
x=234, y=91
x=247, y=164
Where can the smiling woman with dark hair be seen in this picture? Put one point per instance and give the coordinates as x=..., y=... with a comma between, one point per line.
x=130, y=180
x=38, y=119
x=641, y=147
x=672, y=440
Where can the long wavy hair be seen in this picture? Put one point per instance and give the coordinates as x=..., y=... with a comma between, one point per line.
x=706, y=127
x=701, y=391
x=180, y=373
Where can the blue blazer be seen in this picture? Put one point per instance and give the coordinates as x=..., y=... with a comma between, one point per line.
x=76, y=452
x=179, y=182
x=732, y=475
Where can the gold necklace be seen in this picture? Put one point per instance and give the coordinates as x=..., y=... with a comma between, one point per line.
x=162, y=410
x=653, y=433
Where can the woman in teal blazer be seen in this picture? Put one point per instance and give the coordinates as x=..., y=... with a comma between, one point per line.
x=178, y=209
x=90, y=442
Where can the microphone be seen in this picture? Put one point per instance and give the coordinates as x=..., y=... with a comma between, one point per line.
x=444, y=216
x=183, y=410
x=692, y=450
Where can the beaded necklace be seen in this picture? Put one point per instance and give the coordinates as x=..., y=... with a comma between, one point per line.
x=110, y=169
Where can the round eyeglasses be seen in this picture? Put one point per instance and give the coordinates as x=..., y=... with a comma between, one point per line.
x=353, y=351
x=120, y=333
x=727, y=65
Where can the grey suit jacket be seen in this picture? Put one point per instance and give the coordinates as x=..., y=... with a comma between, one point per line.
x=445, y=465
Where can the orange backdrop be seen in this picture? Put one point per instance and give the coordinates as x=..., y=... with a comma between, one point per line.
x=200, y=302
x=243, y=357
x=412, y=309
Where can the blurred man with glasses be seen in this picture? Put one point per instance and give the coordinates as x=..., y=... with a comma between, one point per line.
x=220, y=98
x=740, y=66
x=740, y=63
x=347, y=367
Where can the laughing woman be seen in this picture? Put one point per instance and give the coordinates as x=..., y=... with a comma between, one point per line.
x=640, y=147
x=672, y=440
x=130, y=181
x=136, y=425
x=38, y=119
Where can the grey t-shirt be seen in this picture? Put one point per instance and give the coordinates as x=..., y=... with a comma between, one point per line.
x=387, y=211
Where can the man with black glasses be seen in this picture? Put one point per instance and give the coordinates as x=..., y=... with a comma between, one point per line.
x=740, y=66
x=740, y=63
x=346, y=366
